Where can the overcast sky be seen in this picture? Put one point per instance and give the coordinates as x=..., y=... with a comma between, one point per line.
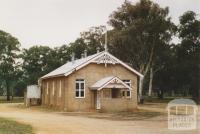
x=57, y=22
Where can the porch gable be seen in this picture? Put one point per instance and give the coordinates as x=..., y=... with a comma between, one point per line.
x=110, y=82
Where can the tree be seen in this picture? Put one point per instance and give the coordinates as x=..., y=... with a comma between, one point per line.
x=90, y=40
x=38, y=61
x=140, y=33
x=93, y=38
x=188, y=53
x=62, y=54
x=9, y=50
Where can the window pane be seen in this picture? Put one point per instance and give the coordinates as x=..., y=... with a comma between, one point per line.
x=123, y=93
x=128, y=82
x=77, y=93
x=80, y=80
x=82, y=94
x=128, y=93
x=77, y=86
x=82, y=85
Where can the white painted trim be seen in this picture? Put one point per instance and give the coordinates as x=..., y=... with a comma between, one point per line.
x=108, y=82
x=125, y=65
x=79, y=90
x=98, y=100
x=92, y=60
x=130, y=86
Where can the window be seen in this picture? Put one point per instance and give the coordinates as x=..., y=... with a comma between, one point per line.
x=47, y=89
x=80, y=88
x=60, y=88
x=128, y=93
x=123, y=93
x=53, y=90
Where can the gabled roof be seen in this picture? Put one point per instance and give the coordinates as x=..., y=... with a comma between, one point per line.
x=102, y=57
x=109, y=82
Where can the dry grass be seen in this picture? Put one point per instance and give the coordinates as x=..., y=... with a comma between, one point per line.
x=12, y=127
x=126, y=116
x=15, y=100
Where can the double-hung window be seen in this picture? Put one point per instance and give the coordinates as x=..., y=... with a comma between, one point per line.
x=80, y=88
x=128, y=93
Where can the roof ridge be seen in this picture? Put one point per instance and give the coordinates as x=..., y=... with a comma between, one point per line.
x=75, y=63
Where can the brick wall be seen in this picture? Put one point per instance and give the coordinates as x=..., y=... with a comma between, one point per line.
x=91, y=74
x=117, y=104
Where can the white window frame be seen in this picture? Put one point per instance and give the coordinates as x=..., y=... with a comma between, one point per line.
x=60, y=88
x=53, y=89
x=47, y=88
x=128, y=82
x=79, y=90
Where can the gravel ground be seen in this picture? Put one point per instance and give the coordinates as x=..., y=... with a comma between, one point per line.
x=45, y=122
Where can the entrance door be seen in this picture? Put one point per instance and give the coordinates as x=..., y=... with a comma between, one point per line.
x=98, y=102
x=115, y=93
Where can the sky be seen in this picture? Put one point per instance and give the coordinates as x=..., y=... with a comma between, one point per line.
x=57, y=22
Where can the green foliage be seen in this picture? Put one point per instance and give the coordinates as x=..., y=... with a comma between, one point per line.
x=140, y=32
x=90, y=40
x=141, y=37
x=38, y=61
x=9, y=67
x=188, y=53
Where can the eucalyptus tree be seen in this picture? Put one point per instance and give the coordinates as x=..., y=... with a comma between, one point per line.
x=188, y=53
x=140, y=32
x=38, y=61
x=89, y=40
x=9, y=53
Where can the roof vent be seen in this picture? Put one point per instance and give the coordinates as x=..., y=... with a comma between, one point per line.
x=85, y=53
x=82, y=55
x=72, y=57
x=98, y=49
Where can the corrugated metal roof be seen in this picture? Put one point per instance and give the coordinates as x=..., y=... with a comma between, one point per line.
x=69, y=66
x=101, y=82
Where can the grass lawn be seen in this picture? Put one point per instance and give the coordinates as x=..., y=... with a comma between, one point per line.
x=12, y=127
x=15, y=100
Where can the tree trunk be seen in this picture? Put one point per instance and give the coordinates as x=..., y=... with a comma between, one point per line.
x=8, y=91
x=150, y=82
x=144, y=70
x=140, y=89
x=161, y=94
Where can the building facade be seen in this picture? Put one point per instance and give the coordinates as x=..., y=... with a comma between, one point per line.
x=96, y=82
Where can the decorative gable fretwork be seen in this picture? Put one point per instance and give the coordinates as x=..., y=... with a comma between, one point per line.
x=105, y=59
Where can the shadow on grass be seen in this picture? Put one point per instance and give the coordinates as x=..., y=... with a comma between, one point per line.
x=8, y=126
x=137, y=115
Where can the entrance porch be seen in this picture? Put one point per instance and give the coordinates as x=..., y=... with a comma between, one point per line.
x=112, y=94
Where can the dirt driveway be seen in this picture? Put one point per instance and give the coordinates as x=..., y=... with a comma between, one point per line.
x=69, y=123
